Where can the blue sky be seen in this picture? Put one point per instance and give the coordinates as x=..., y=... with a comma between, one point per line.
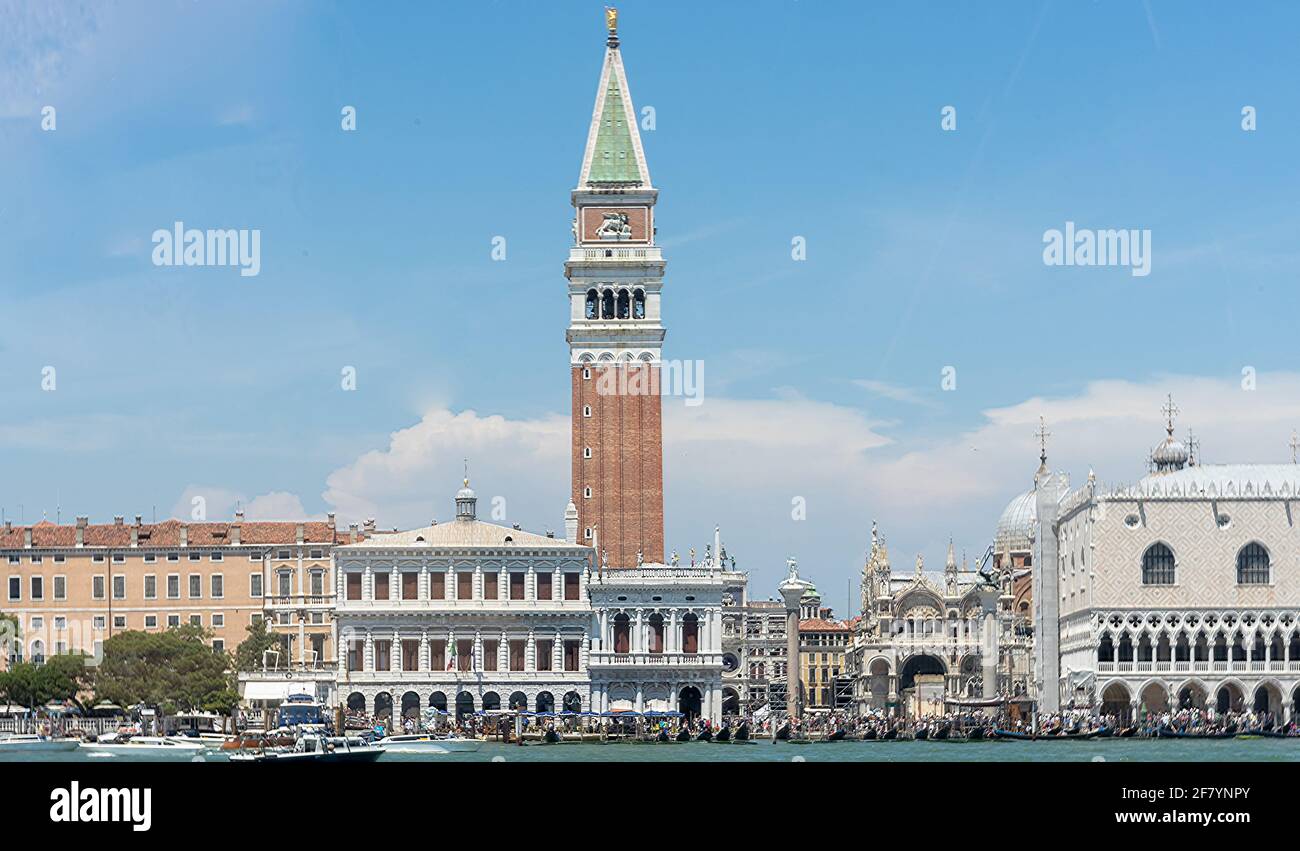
x=774, y=120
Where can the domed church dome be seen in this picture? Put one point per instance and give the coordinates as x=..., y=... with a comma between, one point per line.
x=1016, y=525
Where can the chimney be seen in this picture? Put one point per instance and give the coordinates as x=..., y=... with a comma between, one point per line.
x=352, y=533
x=239, y=515
x=9, y=525
x=185, y=535
x=118, y=520
x=330, y=519
x=370, y=527
x=135, y=535
x=82, y=523
x=27, y=537
x=299, y=533
x=234, y=531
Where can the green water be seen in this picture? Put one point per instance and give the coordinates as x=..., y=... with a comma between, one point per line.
x=1096, y=750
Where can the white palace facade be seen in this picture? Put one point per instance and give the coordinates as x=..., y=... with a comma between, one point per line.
x=1183, y=590
x=470, y=616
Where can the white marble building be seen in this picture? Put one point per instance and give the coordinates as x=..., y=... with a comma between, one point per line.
x=463, y=616
x=1183, y=589
x=657, y=644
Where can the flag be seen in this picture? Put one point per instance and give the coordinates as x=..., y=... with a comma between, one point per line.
x=451, y=656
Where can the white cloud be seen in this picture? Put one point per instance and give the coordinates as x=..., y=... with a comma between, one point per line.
x=216, y=504
x=893, y=392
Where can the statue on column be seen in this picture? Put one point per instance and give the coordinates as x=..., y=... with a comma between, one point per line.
x=675, y=560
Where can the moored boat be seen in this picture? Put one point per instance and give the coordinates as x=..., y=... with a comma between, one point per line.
x=114, y=743
x=724, y=735
x=742, y=732
x=32, y=743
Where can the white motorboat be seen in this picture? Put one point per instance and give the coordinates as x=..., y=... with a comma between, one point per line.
x=315, y=747
x=116, y=744
x=428, y=743
x=33, y=743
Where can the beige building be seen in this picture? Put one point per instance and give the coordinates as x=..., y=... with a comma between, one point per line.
x=73, y=586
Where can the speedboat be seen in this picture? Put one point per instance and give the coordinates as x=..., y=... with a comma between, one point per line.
x=312, y=748
x=428, y=743
x=163, y=745
x=33, y=743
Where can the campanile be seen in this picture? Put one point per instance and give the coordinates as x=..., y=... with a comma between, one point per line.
x=615, y=272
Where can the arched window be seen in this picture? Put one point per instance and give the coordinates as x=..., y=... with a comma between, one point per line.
x=1252, y=565
x=656, y=633
x=622, y=633
x=1158, y=565
x=1105, y=649
x=638, y=305
x=607, y=305
x=690, y=634
x=592, y=304
x=623, y=305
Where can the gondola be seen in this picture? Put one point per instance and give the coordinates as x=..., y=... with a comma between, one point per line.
x=684, y=735
x=941, y=733
x=1127, y=733
x=706, y=735
x=838, y=735
x=975, y=734
x=783, y=734
x=663, y=736
x=724, y=735
x=869, y=735
x=551, y=737
x=890, y=734
x=1013, y=735
x=921, y=734
x=1106, y=733
x=742, y=732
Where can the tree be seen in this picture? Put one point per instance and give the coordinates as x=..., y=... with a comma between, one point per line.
x=251, y=651
x=175, y=671
x=60, y=679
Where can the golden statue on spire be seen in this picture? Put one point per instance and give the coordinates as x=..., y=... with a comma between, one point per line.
x=611, y=19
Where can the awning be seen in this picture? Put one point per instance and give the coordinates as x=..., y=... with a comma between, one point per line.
x=255, y=690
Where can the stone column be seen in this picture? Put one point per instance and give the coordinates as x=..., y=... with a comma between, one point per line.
x=990, y=659
x=557, y=652
x=792, y=591
x=530, y=652
x=424, y=650
x=368, y=660
x=478, y=651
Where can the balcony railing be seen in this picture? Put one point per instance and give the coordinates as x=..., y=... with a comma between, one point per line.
x=1202, y=666
x=627, y=253
x=601, y=658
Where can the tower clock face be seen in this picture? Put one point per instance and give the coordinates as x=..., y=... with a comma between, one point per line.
x=730, y=663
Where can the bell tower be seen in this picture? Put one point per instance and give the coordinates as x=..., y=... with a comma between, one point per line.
x=615, y=272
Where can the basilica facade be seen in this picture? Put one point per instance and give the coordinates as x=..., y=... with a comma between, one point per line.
x=923, y=646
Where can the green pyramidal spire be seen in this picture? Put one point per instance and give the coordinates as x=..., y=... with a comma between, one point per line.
x=614, y=156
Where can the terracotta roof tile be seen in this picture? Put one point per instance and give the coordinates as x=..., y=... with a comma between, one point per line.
x=46, y=535
x=821, y=625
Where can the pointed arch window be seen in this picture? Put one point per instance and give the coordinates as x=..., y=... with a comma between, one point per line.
x=1158, y=565
x=1253, y=565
